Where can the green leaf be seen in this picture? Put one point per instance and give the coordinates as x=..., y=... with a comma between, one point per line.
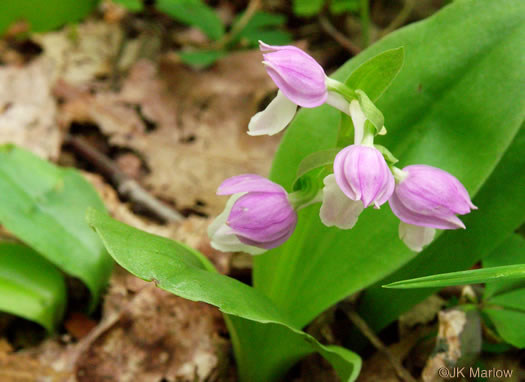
x=131, y=5
x=201, y=59
x=509, y=325
x=44, y=205
x=30, y=286
x=194, y=13
x=475, y=276
x=437, y=114
x=376, y=75
x=44, y=15
x=514, y=299
x=511, y=251
x=307, y=7
x=251, y=317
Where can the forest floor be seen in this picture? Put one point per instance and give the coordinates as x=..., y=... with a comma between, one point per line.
x=156, y=138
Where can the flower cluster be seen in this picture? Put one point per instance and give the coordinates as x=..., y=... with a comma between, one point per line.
x=261, y=215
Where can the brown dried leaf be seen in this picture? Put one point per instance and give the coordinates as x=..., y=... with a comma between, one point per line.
x=158, y=335
x=458, y=342
x=81, y=52
x=422, y=313
x=189, y=127
x=28, y=109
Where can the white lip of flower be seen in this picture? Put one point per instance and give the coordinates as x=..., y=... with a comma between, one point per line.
x=338, y=209
x=222, y=237
x=280, y=112
x=416, y=237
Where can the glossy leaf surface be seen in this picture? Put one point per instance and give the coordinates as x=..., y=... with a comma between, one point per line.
x=30, y=286
x=44, y=206
x=474, y=276
x=252, y=317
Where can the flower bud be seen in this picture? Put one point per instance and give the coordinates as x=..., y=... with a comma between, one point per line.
x=257, y=217
x=430, y=197
x=296, y=74
x=362, y=173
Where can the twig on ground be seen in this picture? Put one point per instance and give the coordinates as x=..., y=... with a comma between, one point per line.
x=339, y=37
x=125, y=185
x=378, y=344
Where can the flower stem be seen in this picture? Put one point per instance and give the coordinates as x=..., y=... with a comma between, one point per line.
x=399, y=174
x=341, y=88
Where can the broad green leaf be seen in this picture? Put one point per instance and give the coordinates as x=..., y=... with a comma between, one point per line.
x=509, y=325
x=511, y=251
x=437, y=113
x=44, y=15
x=30, y=286
x=376, y=75
x=194, y=13
x=475, y=276
x=514, y=299
x=252, y=318
x=307, y=7
x=131, y=5
x=44, y=205
x=201, y=59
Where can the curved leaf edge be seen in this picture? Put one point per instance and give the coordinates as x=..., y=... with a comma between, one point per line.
x=46, y=309
x=336, y=355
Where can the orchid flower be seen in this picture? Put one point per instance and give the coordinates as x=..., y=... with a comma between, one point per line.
x=301, y=82
x=257, y=217
x=426, y=198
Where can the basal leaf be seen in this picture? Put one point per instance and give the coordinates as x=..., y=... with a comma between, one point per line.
x=195, y=13
x=252, y=318
x=44, y=205
x=30, y=286
x=437, y=114
x=475, y=276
